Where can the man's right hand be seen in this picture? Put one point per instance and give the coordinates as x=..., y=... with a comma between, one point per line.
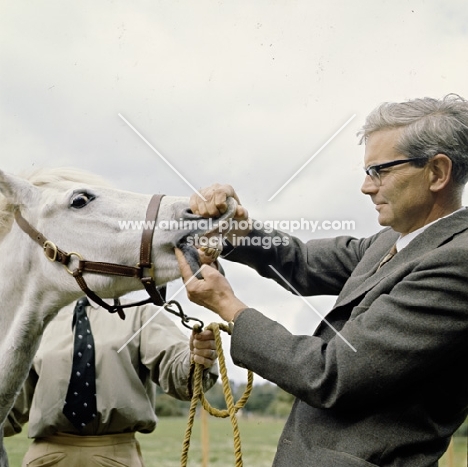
x=215, y=202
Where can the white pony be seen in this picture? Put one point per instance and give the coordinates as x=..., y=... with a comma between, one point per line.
x=78, y=212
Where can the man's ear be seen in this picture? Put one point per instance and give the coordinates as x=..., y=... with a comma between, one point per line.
x=440, y=167
x=17, y=190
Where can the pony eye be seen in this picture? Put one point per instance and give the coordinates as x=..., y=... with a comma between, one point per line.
x=80, y=200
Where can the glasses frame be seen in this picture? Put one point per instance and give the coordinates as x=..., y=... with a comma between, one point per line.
x=374, y=170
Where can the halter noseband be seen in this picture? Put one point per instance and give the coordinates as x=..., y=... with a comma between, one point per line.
x=144, y=270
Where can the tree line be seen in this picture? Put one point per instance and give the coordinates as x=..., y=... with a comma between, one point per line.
x=266, y=399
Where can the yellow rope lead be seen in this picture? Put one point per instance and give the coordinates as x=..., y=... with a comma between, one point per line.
x=232, y=408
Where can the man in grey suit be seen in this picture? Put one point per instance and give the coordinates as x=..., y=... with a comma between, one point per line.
x=383, y=381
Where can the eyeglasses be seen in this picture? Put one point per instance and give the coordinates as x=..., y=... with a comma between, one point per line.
x=374, y=170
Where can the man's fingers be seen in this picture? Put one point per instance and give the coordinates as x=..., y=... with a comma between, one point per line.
x=205, y=335
x=206, y=362
x=185, y=269
x=205, y=207
x=220, y=200
x=203, y=347
x=241, y=213
x=206, y=353
x=215, y=202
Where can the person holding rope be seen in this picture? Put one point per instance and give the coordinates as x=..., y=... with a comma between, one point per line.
x=130, y=358
x=382, y=381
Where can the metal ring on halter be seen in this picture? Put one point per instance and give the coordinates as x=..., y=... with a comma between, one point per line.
x=53, y=247
x=72, y=253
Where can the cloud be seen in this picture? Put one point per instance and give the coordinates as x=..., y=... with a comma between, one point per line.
x=235, y=92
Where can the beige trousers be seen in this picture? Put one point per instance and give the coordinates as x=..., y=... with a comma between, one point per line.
x=65, y=450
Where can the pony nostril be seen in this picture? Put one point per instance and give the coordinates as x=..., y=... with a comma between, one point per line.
x=188, y=214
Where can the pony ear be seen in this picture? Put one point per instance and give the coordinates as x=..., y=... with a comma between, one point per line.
x=17, y=190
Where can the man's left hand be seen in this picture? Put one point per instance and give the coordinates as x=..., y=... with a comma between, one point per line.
x=203, y=348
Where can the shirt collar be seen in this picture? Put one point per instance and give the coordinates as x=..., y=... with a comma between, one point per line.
x=96, y=306
x=403, y=242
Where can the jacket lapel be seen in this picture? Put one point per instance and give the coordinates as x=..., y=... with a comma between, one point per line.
x=434, y=236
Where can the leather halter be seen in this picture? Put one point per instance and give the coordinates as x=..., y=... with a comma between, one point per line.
x=144, y=270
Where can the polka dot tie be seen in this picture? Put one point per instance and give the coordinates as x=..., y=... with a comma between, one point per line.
x=80, y=402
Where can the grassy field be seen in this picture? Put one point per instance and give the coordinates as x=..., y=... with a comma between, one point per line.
x=258, y=435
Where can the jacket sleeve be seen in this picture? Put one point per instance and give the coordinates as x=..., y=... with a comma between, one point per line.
x=165, y=352
x=317, y=267
x=408, y=335
x=19, y=414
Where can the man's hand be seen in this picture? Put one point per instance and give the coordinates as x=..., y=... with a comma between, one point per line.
x=203, y=348
x=216, y=204
x=213, y=291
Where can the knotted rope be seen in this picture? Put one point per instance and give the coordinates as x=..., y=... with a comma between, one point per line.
x=232, y=408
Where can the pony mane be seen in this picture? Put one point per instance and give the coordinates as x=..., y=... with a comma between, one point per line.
x=51, y=176
x=46, y=177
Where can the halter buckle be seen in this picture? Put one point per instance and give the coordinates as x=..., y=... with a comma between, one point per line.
x=50, y=245
x=146, y=272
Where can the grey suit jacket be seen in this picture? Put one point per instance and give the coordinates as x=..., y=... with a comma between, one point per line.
x=398, y=398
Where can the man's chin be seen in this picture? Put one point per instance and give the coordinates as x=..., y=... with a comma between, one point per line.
x=383, y=220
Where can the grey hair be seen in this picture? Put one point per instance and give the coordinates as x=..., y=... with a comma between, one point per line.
x=430, y=127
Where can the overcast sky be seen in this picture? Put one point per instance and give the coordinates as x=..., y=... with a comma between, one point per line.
x=241, y=92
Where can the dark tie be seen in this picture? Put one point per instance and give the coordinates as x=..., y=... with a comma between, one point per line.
x=80, y=402
x=393, y=251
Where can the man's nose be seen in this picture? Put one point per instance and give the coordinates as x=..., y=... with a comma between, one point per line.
x=368, y=186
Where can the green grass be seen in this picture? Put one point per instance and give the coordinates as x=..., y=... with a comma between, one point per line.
x=163, y=447
x=458, y=455
x=258, y=440
x=259, y=436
